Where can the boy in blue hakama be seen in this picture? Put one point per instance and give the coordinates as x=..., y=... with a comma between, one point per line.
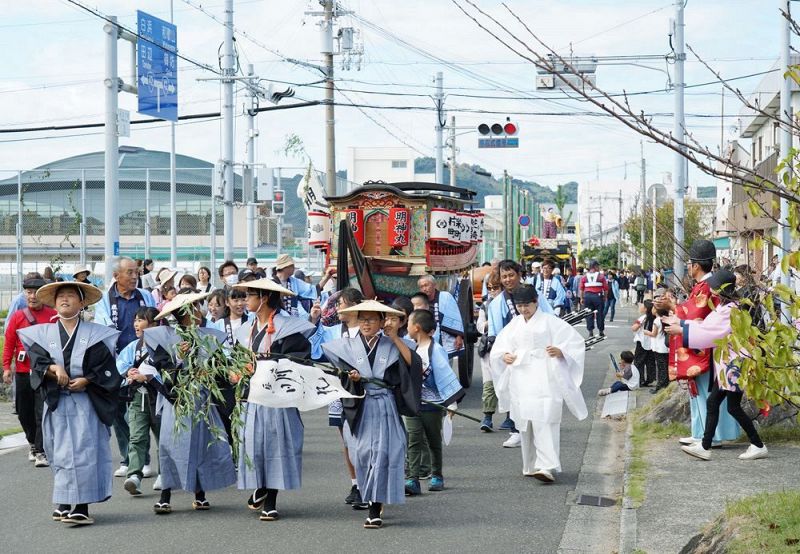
x=374, y=432
x=193, y=457
x=72, y=365
x=271, y=451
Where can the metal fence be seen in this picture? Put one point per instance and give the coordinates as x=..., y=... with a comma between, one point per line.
x=55, y=217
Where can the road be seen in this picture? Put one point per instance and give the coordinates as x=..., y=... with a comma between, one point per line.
x=488, y=506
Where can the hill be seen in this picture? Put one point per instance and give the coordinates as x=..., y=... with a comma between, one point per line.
x=467, y=176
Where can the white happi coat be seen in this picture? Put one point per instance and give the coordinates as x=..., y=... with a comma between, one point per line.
x=535, y=386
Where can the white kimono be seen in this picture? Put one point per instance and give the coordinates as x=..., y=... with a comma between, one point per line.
x=534, y=387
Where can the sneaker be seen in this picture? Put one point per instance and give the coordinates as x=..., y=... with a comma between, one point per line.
x=354, y=497
x=514, y=441
x=544, y=476
x=148, y=472
x=122, y=471
x=507, y=424
x=437, y=484
x=696, y=449
x=688, y=440
x=603, y=392
x=32, y=456
x=425, y=475
x=157, y=484
x=602, y=333
x=41, y=460
x=486, y=424
x=591, y=333
x=754, y=453
x=412, y=487
x=133, y=485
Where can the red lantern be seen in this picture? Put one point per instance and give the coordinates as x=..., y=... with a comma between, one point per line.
x=399, y=227
x=355, y=217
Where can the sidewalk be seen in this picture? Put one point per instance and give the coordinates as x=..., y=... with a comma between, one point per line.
x=683, y=494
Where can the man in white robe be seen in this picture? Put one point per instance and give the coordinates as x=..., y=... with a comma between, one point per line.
x=537, y=366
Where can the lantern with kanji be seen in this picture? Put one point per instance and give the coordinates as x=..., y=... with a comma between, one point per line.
x=355, y=217
x=440, y=224
x=399, y=227
x=319, y=228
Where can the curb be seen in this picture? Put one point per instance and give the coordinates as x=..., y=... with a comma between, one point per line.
x=627, y=518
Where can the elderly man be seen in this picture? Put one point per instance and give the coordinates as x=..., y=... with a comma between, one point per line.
x=117, y=309
x=449, y=325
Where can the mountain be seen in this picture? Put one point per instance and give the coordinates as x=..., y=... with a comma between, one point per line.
x=467, y=176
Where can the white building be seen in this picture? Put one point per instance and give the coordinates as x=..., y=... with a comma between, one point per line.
x=389, y=164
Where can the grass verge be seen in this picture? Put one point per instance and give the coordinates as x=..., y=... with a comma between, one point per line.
x=12, y=431
x=768, y=522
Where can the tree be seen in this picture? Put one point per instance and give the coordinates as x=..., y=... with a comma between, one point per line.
x=605, y=255
x=693, y=230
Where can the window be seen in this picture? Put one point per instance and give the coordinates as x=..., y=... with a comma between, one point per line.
x=399, y=164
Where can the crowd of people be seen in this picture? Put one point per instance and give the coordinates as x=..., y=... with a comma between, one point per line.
x=86, y=360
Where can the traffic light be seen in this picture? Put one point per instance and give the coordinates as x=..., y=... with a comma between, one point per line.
x=507, y=129
x=277, y=203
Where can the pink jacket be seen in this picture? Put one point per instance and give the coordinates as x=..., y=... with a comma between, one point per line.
x=702, y=334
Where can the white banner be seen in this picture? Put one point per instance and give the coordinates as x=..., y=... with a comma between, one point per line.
x=286, y=384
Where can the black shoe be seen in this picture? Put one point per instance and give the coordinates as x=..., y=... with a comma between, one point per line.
x=591, y=334
x=354, y=497
x=602, y=333
x=360, y=505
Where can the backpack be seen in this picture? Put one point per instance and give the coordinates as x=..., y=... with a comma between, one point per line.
x=640, y=284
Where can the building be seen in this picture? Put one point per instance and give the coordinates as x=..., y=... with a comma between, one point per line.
x=392, y=164
x=599, y=207
x=61, y=206
x=762, y=130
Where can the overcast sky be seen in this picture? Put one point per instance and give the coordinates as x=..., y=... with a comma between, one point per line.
x=51, y=72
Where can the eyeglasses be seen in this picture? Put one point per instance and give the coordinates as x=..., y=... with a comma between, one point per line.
x=253, y=293
x=492, y=288
x=369, y=320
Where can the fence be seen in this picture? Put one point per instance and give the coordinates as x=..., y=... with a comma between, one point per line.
x=55, y=217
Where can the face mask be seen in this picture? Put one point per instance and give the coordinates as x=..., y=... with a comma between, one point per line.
x=232, y=279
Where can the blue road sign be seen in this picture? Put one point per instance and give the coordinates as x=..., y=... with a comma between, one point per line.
x=157, y=67
x=499, y=142
x=524, y=220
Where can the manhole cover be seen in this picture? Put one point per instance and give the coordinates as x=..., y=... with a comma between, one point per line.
x=600, y=501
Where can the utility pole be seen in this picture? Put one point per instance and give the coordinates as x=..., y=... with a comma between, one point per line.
x=679, y=132
x=786, y=116
x=249, y=173
x=642, y=198
x=654, y=227
x=453, y=151
x=619, y=244
x=173, y=186
x=279, y=220
x=227, y=129
x=506, y=209
x=441, y=119
x=330, y=129
x=111, y=175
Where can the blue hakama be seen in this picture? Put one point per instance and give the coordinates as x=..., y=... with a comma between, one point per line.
x=378, y=450
x=727, y=428
x=190, y=457
x=77, y=446
x=271, y=450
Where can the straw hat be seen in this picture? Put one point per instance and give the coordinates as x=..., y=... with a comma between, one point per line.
x=284, y=260
x=81, y=269
x=47, y=294
x=165, y=275
x=264, y=284
x=180, y=301
x=372, y=306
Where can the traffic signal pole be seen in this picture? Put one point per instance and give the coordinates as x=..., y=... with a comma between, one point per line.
x=248, y=187
x=441, y=119
x=227, y=130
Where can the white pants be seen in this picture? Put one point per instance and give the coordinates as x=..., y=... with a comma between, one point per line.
x=486, y=369
x=540, y=446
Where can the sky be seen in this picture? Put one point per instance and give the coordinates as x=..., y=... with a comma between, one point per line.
x=51, y=73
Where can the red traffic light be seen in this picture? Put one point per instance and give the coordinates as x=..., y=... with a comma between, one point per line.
x=277, y=196
x=510, y=128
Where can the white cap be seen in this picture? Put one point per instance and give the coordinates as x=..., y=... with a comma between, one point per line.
x=536, y=264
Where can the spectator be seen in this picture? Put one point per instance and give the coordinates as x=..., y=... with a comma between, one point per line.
x=118, y=309
x=82, y=274
x=148, y=278
x=204, y=279
x=27, y=401
x=229, y=273
x=187, y=281
x=627, y=376
x=613, y=296
x=624, y=286
x=640, y=286
x=252, y=264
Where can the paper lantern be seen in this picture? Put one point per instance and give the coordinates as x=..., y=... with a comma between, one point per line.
x=440, y=224
x=399, y=227
x=319, y=228
x=355, y=217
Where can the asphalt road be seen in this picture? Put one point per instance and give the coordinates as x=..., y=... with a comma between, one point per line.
x=487, y=506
